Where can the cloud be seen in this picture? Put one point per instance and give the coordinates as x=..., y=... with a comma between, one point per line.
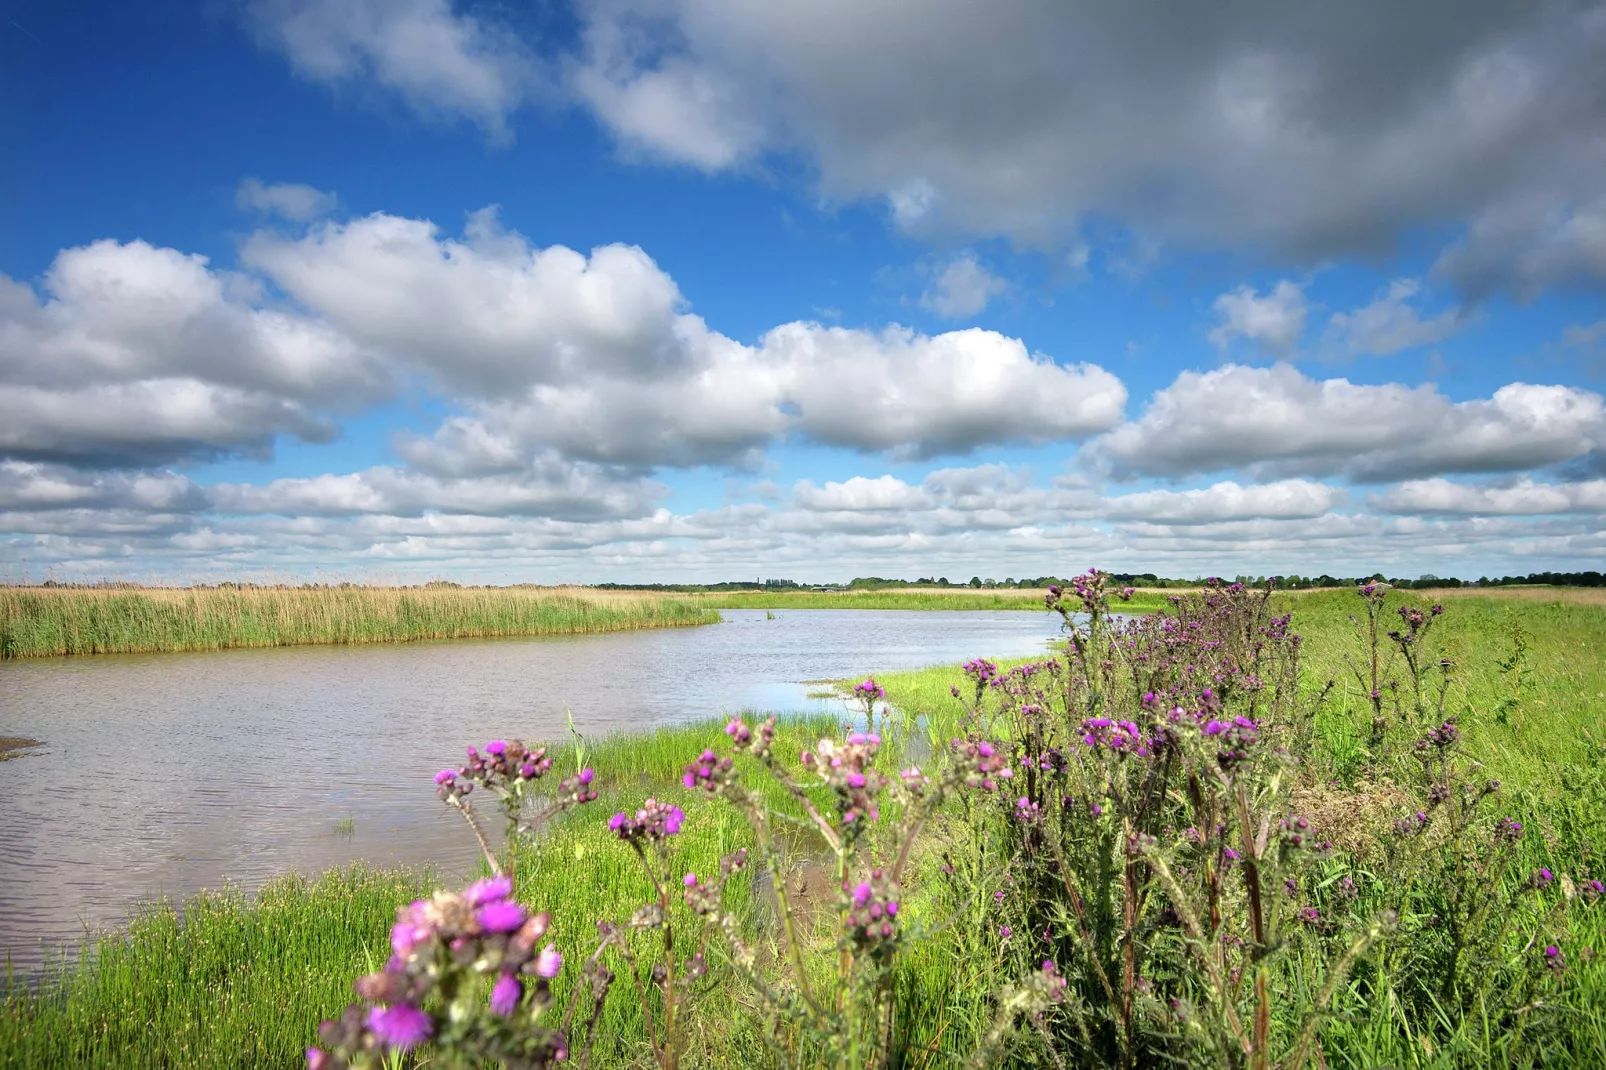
x=597, y=356
x=1522, y=497
x=550, y=487
x=297, y=203
x=859, y=494
x=1276, y=422
x=444, y=64
x=43, y=487
x=1529, y=244
x=1389, y=324
x=1310, y=132
x=928, y=395
x=962, y=289
x=1275, y=322
x=1289, y=499
x=144, y=355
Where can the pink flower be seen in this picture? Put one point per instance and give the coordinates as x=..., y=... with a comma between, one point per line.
x=400, y=1026
x=500, y=917
x=548, y=962
x=489, y=890
x=505, y=995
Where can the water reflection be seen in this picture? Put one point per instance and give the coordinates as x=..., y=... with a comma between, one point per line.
x=169, y=773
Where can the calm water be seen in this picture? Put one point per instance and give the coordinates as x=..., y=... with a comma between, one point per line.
x=168, y=773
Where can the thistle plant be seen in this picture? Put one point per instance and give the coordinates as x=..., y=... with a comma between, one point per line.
x=868, y=823
x=1152, y=843
x=470, y=973
x=512, y=773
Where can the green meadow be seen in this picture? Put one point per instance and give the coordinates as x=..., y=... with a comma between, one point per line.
x=230, y=981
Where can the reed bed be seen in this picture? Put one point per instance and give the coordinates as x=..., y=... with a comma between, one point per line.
x=54, y=621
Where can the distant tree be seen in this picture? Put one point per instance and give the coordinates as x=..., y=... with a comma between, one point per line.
x=975, y=581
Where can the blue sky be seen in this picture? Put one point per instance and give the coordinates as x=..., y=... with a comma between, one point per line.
x=701, y=289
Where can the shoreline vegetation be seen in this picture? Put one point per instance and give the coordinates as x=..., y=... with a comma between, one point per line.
x=56, y=621
x=231, y=981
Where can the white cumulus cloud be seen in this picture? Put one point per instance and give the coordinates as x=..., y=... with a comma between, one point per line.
x=1288, y=499
x=1278, y=422
x=1521, y=497
x=1275, y=320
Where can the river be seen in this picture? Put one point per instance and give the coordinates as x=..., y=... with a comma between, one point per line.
x=168, y=773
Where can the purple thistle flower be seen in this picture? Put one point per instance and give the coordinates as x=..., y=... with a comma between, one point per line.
x=445, y=776
x=317, y=1059
x=500, y=917
x=400, y=1026
x=497, y=747
x=548, y=962
x=861, y=894
x=586, y=775
x=505, y=995
x=617, y=821
x=406, y=935
x=690, y=880
x=490, y=890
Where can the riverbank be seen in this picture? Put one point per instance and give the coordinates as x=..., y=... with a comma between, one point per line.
x=56, y=621
x=239, y=984
x=920, y=598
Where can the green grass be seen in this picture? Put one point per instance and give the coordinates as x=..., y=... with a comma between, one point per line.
x=45, y=622
x=949, y=598
x=232, y=983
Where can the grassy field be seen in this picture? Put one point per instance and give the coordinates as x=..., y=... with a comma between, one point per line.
x=46, y=622
x=949, y=598
x=238, y=984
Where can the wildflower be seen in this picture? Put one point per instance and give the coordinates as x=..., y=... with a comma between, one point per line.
x=1508, y=830
x=401, y=1026
x=708, y=771
x=1554, y=959
x=1005, y=931
x=1122, y=737
x=872, y=910
x=505, y=994
x=1051, y=978
x=489, y=890
x=497, y=747
x=654, y=822
x=1027, y=811
x=445, y=776
x=500, y=917
x=869, y=689
x=548, y=962
x=1542, y=878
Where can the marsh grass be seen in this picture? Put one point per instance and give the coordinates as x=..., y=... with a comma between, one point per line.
x=938, y=598
x=45, y=622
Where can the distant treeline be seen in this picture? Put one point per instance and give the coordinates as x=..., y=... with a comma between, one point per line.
x=1131, y=579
